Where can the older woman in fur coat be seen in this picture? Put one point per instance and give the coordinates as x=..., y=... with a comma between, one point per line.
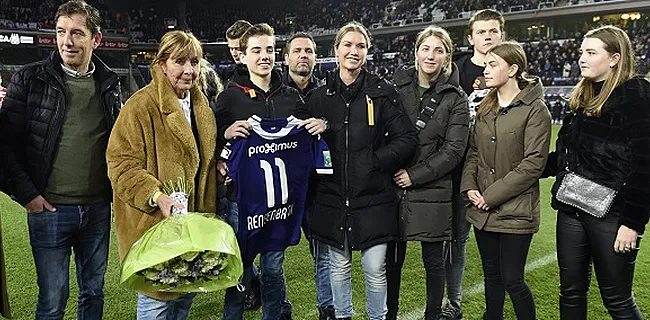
x=165, y=131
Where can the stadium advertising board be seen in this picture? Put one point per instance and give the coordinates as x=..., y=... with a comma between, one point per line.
x=15, y=39
x=117, y=44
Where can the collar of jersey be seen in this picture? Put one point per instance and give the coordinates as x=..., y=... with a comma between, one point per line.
x=258, y=126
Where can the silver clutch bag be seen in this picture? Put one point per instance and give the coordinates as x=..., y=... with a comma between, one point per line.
x=586, y=195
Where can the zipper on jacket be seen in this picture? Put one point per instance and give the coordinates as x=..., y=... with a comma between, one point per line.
x=108, y=110
x=404, y=205
x=271, y=107
x=269, y=103
x=346, y=164
x=346, y=122
x=496, y=141
x=50, y=145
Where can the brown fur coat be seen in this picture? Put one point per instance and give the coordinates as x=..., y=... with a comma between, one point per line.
x=152, y=142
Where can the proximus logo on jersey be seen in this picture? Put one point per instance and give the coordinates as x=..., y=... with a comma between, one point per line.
x=271, y=148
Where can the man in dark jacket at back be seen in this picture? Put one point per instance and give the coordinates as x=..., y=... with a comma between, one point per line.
x=485, y=29
x=300, y=57
x=233, y=35
x=54, y=128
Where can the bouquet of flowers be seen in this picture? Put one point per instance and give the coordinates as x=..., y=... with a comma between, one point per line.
x=187, y=268
x=184, y=253
x=179, y=191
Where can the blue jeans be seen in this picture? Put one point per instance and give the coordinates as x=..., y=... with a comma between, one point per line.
x=273, y=286
x=320, y=253
x=455, y=264
x=53, y=236
x=154, y=309
x=374, y=269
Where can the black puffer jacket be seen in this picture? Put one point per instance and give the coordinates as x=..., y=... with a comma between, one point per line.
x=31, y=118
x=242, y=99
x=425, y=207
x=359, y=199
x=238, y=102
x=612, y=150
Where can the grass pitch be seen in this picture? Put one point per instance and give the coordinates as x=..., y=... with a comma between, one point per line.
x=120, y=303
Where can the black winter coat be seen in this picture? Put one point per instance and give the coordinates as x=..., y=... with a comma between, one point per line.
x=612, y=150
x=370, y=138
x=242, y=99
x=31, y=117
x=425, y=209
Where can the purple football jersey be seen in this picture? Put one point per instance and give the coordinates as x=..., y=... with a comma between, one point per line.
x=270, y=172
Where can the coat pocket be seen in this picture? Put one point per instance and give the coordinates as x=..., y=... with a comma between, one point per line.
x=520, y=207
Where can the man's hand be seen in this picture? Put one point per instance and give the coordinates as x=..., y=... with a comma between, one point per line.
x=239, y=129
x=165, y=203
x=38, y=205
x=314, y=126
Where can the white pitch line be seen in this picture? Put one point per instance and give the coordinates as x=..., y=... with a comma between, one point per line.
x=480, y=287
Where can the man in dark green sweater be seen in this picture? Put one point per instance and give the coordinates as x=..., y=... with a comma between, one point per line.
x=54, y=127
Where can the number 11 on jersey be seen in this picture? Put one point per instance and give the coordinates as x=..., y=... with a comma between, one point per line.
x=269, y=181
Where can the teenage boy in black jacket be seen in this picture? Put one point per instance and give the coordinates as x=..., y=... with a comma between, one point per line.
x=257, y=90
x=485, y=30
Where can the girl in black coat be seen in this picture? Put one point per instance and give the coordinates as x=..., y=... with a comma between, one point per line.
x=370, y=137
x=607, y=141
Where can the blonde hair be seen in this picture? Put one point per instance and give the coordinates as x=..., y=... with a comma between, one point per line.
x=178, y=44
x=444, y=37
x=208, y=75
x=353, y=26
x=615, y=40
x=513, y=54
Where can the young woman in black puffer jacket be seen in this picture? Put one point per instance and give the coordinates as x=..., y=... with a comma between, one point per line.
x=436, y=104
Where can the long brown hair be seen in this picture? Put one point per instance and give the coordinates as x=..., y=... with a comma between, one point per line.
x=616, y=41
x=512, y=53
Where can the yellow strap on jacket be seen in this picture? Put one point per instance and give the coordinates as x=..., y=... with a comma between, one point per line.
x=371, y=111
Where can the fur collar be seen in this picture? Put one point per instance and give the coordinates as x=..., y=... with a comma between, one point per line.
x=175, y=118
